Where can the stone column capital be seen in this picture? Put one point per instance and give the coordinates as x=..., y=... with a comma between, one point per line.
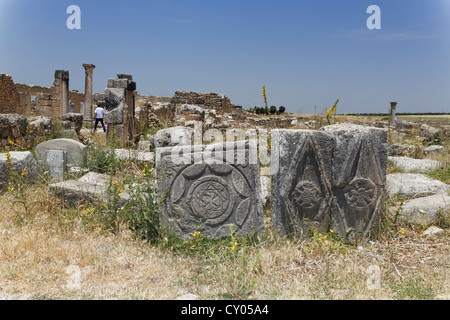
x=88, y=67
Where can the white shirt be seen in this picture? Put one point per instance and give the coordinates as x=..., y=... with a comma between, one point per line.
x=99, y=113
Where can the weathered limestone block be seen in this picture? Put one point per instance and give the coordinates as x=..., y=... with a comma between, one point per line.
x=359, y=178
x=191, y=112
x=202, y=192
x=446, y=130
x=19, y=162
x=56, y=164
x=418, y=185
x=76, y=151
x=96, y=178
x=114, y=116
x=74, y=192
x=12, y=126
x=301, y=191
x=115, y=98
x=430, y=133
x=397, y=149
x=41, y=126
x=423, y=210
x=265, y=189
x=128, y=154
x=434, y=150
x=415, y=165
x=118, y=83
x=72, y=121
x=170, y=137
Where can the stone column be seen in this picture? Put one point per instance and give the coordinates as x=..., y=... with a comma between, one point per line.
x=63, y=77
x=393, y=106
x=87, y=112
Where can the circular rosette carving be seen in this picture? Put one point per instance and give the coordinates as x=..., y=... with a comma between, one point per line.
x=306, y=195
x=209, y=198
x=360, y=193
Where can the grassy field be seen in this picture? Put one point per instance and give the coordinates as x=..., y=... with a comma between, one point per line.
x=51, y=252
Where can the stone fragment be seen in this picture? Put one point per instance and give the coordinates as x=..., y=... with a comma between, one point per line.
x=170, y=137
x=73, y=121
x=415, y=165
x=145, y=145
x=409, y=184
x=118, y=83
x=76, y=151
x=74, y=192
x=359, y=178
x=96, y=178
x=114, y=116
x=433, y=231
x=41, y=126
x=401, y=150
x=301, y=190
x=12, y=126
x=434, y=150
x=191, y=112
x=56, y=164
x=205, y=189
x=430, y=133
x=423, y=210
x=19, y=161
x=265, y=189
x=446, y=130
x=128, y=154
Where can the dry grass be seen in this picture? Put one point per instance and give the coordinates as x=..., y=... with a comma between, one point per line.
x=37, y=256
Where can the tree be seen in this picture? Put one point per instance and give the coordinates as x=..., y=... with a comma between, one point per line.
x=273, y=110
x=281, y=109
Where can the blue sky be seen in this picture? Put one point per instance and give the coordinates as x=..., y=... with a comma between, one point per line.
x=306, y=53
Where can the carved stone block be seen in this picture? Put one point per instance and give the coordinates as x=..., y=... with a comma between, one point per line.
x=204, y=191
x=301, y=192
x=359, y=178
x=56, y=164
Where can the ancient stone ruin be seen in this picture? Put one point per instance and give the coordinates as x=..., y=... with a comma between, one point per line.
x=212, y=197
x=120, y=96
x=212, y=158
x=332, y=178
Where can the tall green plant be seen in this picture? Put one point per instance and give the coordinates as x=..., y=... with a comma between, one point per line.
x=142, y=211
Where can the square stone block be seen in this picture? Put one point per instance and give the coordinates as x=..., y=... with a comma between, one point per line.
x=56, y=164
x=359, y=178
x=210, y=189
x=301, y=191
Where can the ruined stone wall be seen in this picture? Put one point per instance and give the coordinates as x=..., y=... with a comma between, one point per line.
x=205, y=100
x=28, y=105
x=46, y=101
x=9, y=96
x=77, y=98
x=145, y=100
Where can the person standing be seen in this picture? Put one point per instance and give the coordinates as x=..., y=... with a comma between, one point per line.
x=99, y=113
